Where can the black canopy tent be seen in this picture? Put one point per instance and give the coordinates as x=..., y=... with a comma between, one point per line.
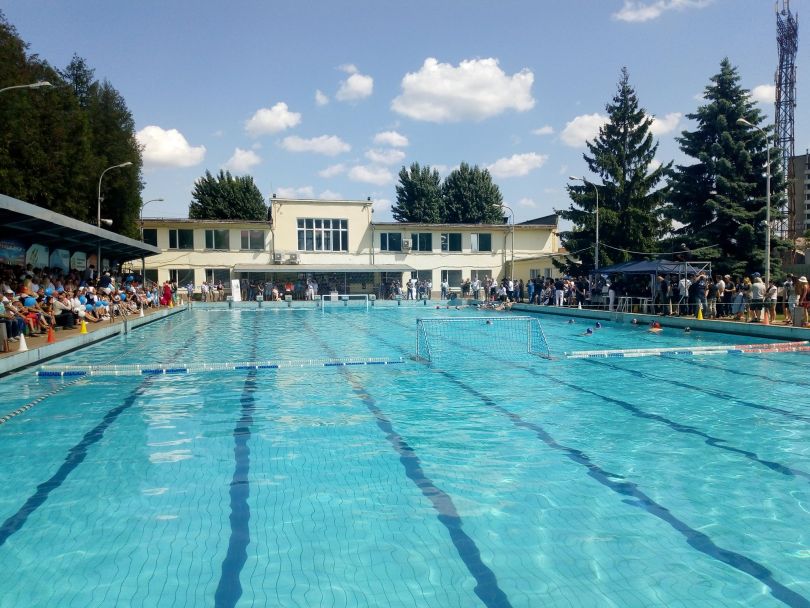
x=651, y=268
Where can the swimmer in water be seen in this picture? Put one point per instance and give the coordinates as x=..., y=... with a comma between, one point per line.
x=570, y=321
x=634, y=321
x=598, y=325
x=655, y=328
x=587, y=332
x=687, y=330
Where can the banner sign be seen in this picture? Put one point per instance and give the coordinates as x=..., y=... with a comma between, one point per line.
x=12, y=252
x=37, y=256
x=236, y=292
x=60, y=258
x=78, y=260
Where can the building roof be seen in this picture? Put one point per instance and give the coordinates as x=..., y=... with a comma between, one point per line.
x=326, y=268
x=32, y=224
x=546, y=220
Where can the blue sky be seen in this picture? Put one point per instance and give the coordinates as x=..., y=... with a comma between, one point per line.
x=328, y=99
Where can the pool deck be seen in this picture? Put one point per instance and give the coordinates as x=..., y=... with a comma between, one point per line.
x=40, y=350
x=66, y=340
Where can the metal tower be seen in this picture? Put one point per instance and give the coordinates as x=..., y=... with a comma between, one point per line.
x=787, y=39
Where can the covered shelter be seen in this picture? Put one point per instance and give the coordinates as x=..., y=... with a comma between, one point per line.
x=45, y=238
x=638, y=277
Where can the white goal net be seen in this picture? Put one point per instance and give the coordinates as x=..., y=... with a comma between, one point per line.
x=333, y=301
x=506, y=337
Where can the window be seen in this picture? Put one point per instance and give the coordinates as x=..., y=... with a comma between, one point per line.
x=480, y=274
x=451, y=241
x=214, y=275
x=181, y=276
x=422, y=241
x=422, y=275
x=150, y=236
x=453, y=277
x=150, y=274
x=181, y=239
x=217, y=239
x=481, y=241
x=536, y=273
x=323, y=235
x=390, y=241
x=252, y=240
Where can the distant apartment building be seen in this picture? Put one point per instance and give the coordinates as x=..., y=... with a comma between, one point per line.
x=340, y=245
x=801, y=192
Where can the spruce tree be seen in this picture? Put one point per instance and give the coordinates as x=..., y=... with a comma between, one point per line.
x=225, y=197
x=418, y=195
x=630, y=207
x=720, y=198
x=470, y=196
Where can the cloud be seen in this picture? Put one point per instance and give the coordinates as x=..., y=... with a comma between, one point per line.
x=370, y=174
x=168, y=148
x=330, y=145
x=381, y=206
x=388, y=156
x=545, y=130
x=517, y=165
x=272, y=120
x=764, y=93
x=320, y=98
x=391, y=138
x=356, y=86
x=527, y=202
x=328, y=195
x=666, y=124
x=332, y=170
x=581, y=129
x=636, y=11
x=242, y=161
x=301, y=192
x=475, y=90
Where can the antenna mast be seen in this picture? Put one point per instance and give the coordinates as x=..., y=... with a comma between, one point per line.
x=787, y=40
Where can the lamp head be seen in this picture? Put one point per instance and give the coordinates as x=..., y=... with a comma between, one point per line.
x=39, y=84
x=745, y=123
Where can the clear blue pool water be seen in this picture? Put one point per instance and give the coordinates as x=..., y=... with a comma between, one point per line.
x=477, y=482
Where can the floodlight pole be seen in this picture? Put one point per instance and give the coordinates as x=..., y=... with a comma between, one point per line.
x=595, y=189
x=98, y=215
x=512, y=238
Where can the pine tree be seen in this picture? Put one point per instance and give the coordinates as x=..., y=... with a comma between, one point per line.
x=225, y=197
x=720, y=199
x=418, y=195
x=630, y=208
x=471, y=197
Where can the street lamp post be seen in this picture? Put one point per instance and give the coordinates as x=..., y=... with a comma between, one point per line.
x=595, y=189
x=742, y=121
x=154, y=200
x=512, y=239
x=98, y=215
x=33, y=85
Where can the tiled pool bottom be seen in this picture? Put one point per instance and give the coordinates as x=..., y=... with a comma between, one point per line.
x=478, y=483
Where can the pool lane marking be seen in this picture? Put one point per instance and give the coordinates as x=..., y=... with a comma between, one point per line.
x=74, y=458
x=486, y=587
x=229, y=588
x=697, y=540
x=705, y=391
x=24, y=408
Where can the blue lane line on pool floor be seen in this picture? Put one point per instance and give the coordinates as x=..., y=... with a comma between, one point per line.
x=74, y=458
x=229, y=588
x=697, y=540
x=703, y=390
x=486, y=587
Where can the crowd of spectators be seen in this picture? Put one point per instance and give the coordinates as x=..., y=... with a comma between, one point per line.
x=34, y=301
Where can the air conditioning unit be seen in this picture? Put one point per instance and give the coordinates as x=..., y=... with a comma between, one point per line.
x=294, y=259
x=406, y=244
x=278, y=258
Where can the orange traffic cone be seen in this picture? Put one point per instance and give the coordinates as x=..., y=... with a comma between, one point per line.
x=51, y=335
x=766, y=317
x=83, y=330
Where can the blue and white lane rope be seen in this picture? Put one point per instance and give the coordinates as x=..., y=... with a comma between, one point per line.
x=156, y=370
x=692, y=351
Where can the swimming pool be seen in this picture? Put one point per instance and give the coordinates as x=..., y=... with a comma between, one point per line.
x=477, y=482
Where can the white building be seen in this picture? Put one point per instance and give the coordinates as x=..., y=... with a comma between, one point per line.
x=339, y=244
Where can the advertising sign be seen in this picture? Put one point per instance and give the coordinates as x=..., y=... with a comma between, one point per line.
x=60, y=258
x=37, y=256
x=12, y=252
x=78, y=260
x=236, y=292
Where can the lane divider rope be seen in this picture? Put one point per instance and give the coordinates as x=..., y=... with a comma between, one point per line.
x=693, y=351
x=153, y=370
